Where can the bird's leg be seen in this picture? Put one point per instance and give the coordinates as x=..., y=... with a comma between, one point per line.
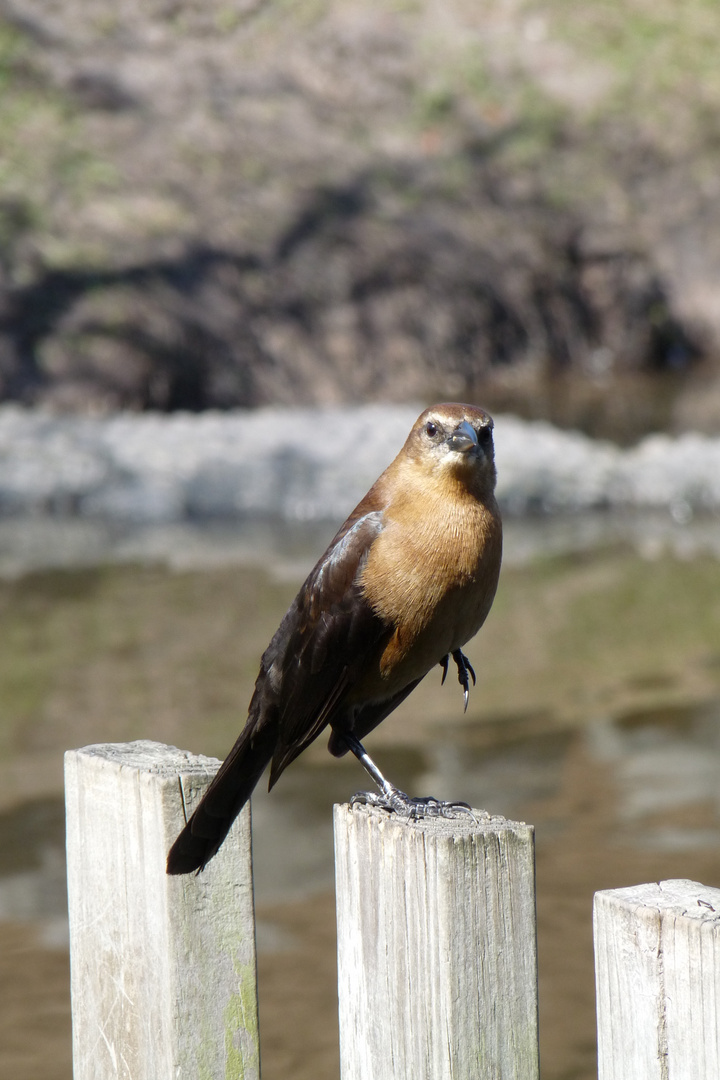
x=388, y=790
x=394, y=800
x=465, y=668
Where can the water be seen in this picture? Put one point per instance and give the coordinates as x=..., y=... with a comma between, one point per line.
x=661, y=763
x=625, y=799
x=200, y=490
x=618, y=796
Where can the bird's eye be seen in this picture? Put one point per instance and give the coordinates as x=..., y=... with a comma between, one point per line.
x=485, y=435
x=431, y=429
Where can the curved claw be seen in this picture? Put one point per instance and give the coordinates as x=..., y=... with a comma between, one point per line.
x=444, y=665
x=464, y=668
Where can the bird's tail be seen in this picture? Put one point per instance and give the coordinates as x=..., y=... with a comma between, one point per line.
x=222, y=802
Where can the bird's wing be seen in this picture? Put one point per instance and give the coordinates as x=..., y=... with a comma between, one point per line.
x=323, y=643
x=367, y=718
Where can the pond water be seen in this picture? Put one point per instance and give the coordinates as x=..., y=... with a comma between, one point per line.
x=623, y=800
x=145, y=562
x=611, y=750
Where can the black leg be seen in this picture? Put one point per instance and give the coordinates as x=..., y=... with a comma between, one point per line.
x=465, y=668
x=394, y=800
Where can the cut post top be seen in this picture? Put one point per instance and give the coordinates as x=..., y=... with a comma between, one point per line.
x=144, y=755
x=678, y=898
x=462, y=825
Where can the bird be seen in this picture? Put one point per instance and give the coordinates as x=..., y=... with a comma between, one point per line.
x=407, y=580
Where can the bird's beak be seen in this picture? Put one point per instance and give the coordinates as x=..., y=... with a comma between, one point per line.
x=463, y=438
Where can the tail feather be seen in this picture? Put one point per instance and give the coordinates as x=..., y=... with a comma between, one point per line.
x=230, y=789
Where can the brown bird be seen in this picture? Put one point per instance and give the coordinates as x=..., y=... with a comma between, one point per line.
x=407, y=580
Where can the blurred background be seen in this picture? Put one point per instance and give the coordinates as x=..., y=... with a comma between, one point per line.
x=242, y=244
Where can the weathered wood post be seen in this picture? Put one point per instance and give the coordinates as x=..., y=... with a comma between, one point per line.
x=657, y=970
x=437, y=959
x=163, y=972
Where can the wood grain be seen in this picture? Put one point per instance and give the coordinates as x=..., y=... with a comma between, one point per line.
x=437, y=959
x=163, y=970
x=657, y=964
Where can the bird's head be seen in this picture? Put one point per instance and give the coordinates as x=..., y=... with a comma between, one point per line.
x=455, y=440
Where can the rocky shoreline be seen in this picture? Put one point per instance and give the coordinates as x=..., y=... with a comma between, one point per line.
x=242, y=465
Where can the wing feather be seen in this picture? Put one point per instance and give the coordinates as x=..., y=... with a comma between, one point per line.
x=322, y=644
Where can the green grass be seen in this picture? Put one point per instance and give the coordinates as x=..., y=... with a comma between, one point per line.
x=44, y=160
x=662, y=57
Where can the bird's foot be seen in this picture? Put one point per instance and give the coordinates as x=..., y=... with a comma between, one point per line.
x=464, y=668
x=397, y=802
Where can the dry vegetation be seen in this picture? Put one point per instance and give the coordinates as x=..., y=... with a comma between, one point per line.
x=213, y=204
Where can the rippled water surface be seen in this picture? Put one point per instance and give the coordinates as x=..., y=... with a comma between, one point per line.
x=623, y=800
x=597, y=718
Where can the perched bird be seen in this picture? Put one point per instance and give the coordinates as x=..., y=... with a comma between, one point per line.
x=407, y=580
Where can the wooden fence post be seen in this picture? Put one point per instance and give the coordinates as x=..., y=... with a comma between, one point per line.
x=436, y=948
x=163, y=972
x=657, y=971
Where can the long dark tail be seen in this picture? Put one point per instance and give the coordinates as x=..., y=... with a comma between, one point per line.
x=222, y=802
